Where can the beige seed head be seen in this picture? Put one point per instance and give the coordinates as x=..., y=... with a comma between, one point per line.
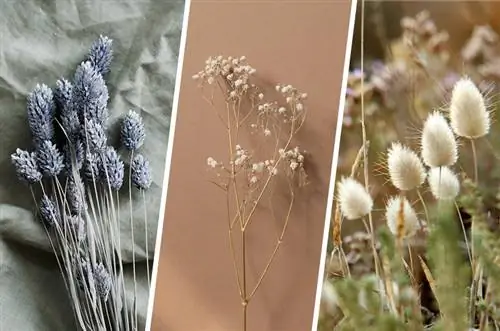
x=354, y=201
x=444, y=183
x=468, y=113
x=439, y=147
x=394, y=215
x=406, y=170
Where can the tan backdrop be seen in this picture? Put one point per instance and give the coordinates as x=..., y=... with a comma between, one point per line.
x=297, y=42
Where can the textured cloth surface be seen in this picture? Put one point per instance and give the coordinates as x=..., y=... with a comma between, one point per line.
x=41, y=41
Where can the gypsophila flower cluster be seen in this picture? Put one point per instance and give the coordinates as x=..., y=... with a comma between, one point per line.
x=242, y=156
x=293, y=97
x=234, y=71
x=293, y=157
x=295, y=110
x=269, y=118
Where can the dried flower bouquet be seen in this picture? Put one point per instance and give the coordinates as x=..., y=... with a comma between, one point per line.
x=79, y=175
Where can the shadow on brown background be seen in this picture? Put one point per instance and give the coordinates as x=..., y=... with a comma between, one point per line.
x=297, y=42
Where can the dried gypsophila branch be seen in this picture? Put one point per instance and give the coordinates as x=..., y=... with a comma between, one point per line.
x=245, y=175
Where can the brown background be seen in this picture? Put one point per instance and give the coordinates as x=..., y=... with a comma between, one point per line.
x=297, y=42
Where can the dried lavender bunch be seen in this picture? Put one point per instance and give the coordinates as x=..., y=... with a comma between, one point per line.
x=79, y=176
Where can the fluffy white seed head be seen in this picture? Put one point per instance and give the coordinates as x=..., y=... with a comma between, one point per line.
x=401, y=218
x=468, y=112
x=354, y=201
x=406, y=170
x=439, y=147
x=444, y=183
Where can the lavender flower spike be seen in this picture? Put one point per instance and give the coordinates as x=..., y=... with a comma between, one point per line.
x=101, y=54
x=50, y=160
x=92, y=167
x=48, y=211
x=62, y=94
x=103, y=281
x=26, y=166
x=76, y=195
x=113, y=169
x=74, y=153
x=141, y=174
x=41, y=112
x=77, y=224
x=69, y=117
x=90, y=94
x=94, y=136
x=132, y=131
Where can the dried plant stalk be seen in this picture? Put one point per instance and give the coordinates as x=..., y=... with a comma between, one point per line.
x=250, y=176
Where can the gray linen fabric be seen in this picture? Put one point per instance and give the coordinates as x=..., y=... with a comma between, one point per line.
x=41, y=41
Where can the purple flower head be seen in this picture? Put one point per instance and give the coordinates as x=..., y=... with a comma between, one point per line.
x=77, y=226
x=132, y=131
x=113, y=169
x=50, y=160
x=92, y=167
x=141, y=173
x=41, y=111
x=94, y=136
x=103, y=281
x=76, y=196
x=84, y=274
x=26, y=166
x=90, y=94
x=62, y=94
x=101, y=54
x=68, y=115
x=73, y=155
x=49, y=212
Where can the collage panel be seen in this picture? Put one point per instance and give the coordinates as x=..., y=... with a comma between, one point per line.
x=86, y=91
x=250, y=166
x=414, y=229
